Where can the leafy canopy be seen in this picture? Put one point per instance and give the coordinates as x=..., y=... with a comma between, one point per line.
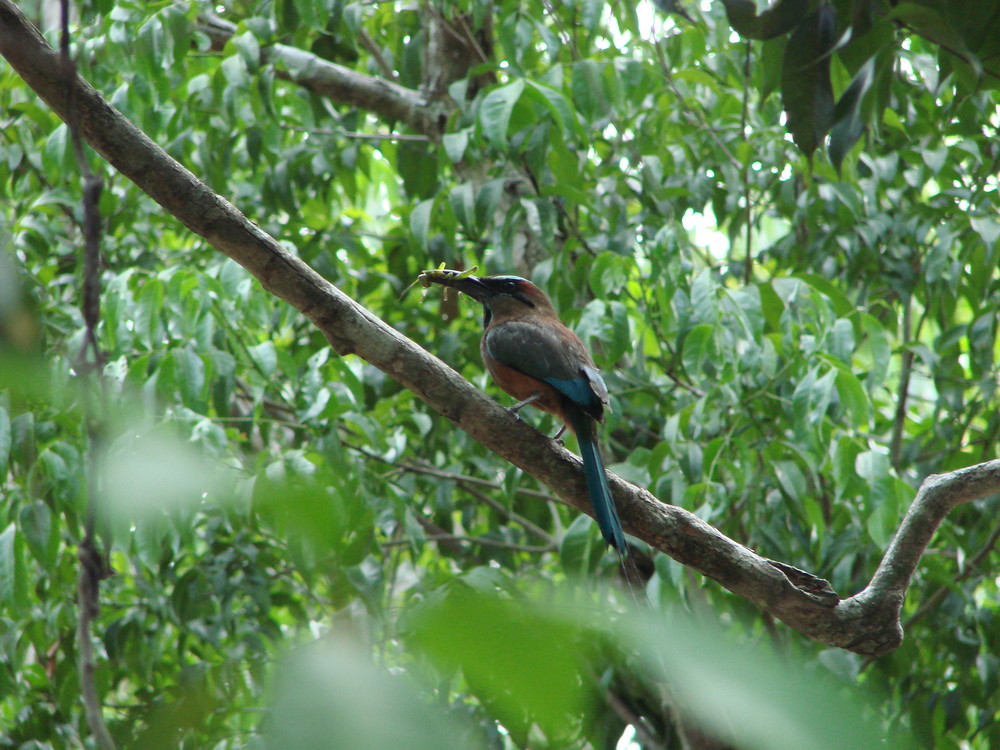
x=793, y=341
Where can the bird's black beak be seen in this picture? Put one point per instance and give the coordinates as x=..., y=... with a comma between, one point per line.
x=474, y=287
x=470, y=285
x=483, y=289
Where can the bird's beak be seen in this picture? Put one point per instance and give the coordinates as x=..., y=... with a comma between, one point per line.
x=470, y=285
x=474, y=287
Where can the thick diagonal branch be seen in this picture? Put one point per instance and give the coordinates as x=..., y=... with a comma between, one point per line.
x=867, y=623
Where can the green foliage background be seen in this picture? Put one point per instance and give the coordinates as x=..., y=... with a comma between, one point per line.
x=791, y=349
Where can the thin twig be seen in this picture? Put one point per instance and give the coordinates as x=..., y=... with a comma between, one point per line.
x=946, y=48
x=484, y=541
x=744, y=117
x=692, y=112
x=903, y=392
x=467, y=483
x=358, y=136
x=93, y=566
x=376, y=52
x=470, y=37
x=511, y=515
x=626, y=714
x=567, y=38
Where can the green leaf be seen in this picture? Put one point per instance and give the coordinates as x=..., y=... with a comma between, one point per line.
x=621, y=341
x=191, y=375
x=463, y=205
x=5, y=443
x=608, y=274
x=420, y=220
x=8, y=573
x=879, y=346
x=792, y=480
x=853, y=398
x=455, y=145
x=558, y=107
x=842, y=306
x=703, y=297
x=494, y=115
x=697, y=347
x=13, y=576
x=988, y=229
x=331, y=689
x=748, y=696
x=778, y=19
x=772, y=307
x=842, y=340
x=418, y=166
x=847, y=122
x=316, y=405
x=822, y=394
x=806, y=91
x=881, y=524
x=36, y=524
x=249, y=49
x=802, y=399
x=153, y=474
x=488, y=197
x=588, y=90
x=591, y=14
x=265, y=357
x=575, y=546
x=525, y=664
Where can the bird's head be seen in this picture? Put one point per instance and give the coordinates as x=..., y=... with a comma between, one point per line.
x=487, y=289
x=506, y=296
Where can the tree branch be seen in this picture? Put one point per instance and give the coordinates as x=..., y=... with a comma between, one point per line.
x=92, y=571
x=867, y=623
x=970, y=567
x=387, y=99
x=89, y=363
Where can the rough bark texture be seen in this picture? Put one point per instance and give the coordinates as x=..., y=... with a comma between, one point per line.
x=867, y=623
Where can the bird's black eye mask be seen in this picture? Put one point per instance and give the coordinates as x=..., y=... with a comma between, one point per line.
x=520, y=296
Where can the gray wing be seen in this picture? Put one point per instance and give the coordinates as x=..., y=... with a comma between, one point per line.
x=555, y=356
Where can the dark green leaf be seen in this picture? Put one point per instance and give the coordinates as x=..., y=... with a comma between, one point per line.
x=331, y=689
x=848, y=124
x=527, y=665
x=418, y=167
x=698, y=347
x=36, y=524
x=6, y=440
x=496, y=110
x=806, y=91
x=576, y=545
x=778, y=19
x=420, y=218
x=13, y=580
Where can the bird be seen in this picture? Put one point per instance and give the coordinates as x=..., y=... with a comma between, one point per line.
x=534, y=357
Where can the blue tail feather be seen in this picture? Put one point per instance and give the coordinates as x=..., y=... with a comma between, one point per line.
x=597, y=485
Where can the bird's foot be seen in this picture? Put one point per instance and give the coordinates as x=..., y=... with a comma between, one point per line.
x=521, y=404
x=513, y=410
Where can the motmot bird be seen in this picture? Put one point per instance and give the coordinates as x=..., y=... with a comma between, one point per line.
x=536, y=359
